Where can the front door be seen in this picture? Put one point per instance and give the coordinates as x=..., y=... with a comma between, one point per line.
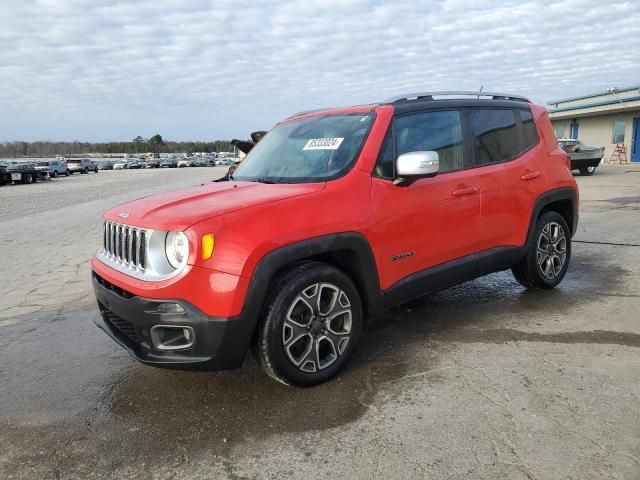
x=433, y=220
x=635, y=141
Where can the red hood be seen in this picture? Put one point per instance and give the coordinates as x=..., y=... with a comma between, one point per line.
x=179, y=209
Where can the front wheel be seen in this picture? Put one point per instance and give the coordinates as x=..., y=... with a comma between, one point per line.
x=587, y=171
x=548, y=253
x=310, y=325
x=55, y=174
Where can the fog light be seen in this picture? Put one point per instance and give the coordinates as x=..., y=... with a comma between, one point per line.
x=170, y=308
x=172, y=337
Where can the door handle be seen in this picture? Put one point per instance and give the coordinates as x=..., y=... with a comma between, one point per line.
x=464, y=191
x=530, y=176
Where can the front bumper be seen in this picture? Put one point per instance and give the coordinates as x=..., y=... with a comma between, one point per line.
x=218, y=343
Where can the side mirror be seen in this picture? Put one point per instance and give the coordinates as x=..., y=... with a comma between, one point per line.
x=413, y=165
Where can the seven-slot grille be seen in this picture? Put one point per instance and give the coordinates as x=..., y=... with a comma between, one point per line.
x=126, y=244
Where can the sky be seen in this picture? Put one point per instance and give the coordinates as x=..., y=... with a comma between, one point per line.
x=98, y=70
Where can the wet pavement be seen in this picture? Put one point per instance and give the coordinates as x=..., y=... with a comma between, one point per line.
x=482, y=380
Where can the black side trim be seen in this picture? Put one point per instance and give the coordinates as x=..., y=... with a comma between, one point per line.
x=547, y=198
x=451, y=273
x=430, y=280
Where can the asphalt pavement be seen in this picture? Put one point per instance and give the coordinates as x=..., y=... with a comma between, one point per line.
x=482, y=380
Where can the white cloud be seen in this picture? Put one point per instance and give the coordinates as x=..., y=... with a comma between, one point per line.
x=103, y=70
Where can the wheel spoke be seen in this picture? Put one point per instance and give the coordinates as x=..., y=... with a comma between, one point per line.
x=327, y=298
x=326, y=351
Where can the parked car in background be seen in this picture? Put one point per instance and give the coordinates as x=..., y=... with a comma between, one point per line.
x=82, y=165
x=169, y=163
x=54, y=167
x=334, y=216
x=105, y=164
x=183, y=162
x=121, y=165
x=585, y=158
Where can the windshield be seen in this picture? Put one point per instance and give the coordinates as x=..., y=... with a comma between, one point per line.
x=42, y=164
x=74, y=161
x=306, y=150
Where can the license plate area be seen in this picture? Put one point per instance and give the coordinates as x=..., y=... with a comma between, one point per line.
x=16, y=176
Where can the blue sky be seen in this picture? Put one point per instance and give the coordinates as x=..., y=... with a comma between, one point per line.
x=99, y=70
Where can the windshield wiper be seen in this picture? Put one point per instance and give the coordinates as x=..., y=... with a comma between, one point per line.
x=265, y=180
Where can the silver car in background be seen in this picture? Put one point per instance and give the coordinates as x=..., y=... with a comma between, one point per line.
x=585, y=158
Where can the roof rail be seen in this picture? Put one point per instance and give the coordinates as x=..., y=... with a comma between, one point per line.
x=430, y=95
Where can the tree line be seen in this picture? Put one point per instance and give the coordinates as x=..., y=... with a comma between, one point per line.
x=155, y=144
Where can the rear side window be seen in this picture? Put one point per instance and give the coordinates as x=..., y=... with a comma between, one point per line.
x=437, y=131
x=528, y=132
x=495, y=135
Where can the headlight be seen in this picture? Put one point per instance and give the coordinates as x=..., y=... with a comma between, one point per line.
x=176, y=246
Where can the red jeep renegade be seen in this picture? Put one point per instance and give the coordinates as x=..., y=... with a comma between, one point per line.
x=334, y=215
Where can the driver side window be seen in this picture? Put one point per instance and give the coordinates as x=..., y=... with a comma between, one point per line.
x=439, y=131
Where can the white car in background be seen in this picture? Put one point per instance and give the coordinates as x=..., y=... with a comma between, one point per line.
x=183, y=162
x=120, y=165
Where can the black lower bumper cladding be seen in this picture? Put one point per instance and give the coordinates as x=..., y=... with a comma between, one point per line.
x=218, y=343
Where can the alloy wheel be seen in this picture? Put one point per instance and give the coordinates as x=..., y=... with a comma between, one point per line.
x=551, y=250
x=317, y=327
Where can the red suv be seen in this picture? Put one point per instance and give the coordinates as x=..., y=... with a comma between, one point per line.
x=335, y=215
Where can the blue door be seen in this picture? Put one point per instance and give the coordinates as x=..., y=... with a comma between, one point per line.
x=574, y=131
x=635, y=141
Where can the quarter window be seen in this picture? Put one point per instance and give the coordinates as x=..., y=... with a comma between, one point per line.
x=528, y=133
x=495, y=135
x=436, y=131
x=618, y=132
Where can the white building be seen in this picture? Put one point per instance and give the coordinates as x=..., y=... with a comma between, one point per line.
x=604, y=118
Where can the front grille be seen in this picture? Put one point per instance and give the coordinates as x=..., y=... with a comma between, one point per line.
x=121, y=324
x=125, y=244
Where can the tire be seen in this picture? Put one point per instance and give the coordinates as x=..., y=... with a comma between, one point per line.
x=27, y=179
x=587, y=171
x=66, y=174
x=95, y=170
x=86, y=170
x=548, y=254
x=55, y=174
x=292, y=327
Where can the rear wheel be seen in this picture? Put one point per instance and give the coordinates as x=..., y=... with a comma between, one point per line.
x=587, y=171
x=66, y=173
x=27, y=178
x=86, y=170
x=310, y=325
x=548, y=254
x=55, y=174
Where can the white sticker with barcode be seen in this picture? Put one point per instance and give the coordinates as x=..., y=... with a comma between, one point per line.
x=323, y=144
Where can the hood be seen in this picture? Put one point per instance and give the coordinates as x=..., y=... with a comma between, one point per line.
x=179, y=209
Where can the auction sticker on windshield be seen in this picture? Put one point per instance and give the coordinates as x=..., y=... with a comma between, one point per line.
x=323, y=144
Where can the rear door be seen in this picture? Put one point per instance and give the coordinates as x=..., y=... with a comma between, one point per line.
x=506, y=143
x=433, y=220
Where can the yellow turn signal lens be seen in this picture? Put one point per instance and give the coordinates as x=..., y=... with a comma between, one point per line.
x=207, y=246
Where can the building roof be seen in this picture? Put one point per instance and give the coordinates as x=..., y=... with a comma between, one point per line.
x=600, y=103
x=596, y=94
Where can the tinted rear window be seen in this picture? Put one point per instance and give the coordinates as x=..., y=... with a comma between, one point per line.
x=495, y=135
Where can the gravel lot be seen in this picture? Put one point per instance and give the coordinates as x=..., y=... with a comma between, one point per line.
x=483, y=380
